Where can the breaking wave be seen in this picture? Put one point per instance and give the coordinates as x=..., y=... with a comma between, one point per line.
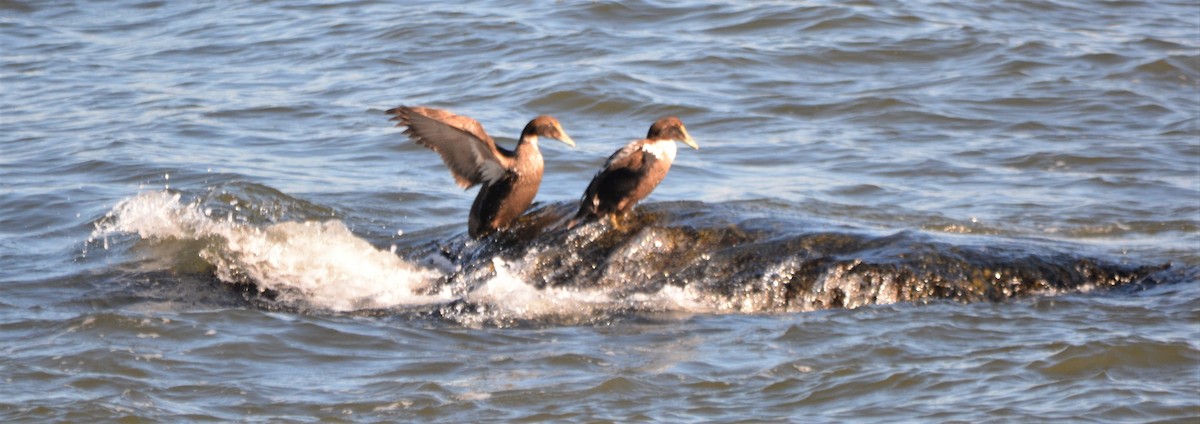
x=317, y=263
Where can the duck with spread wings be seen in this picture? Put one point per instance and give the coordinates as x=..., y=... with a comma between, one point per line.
x=509, y=178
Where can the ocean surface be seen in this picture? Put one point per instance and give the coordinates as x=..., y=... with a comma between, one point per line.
x=900, y=211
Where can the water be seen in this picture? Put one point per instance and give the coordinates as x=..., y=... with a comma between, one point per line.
x=901, y=211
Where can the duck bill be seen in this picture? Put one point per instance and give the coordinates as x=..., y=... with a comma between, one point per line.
x=566, y=139
x=687, y=139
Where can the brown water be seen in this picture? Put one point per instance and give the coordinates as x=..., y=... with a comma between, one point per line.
x=901, y=211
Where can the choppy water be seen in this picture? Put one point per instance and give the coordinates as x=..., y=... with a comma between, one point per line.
x=926, y=211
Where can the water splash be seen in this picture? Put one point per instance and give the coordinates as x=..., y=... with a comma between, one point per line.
x=319, y=264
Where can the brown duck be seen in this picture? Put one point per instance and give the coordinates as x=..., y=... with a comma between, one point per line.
x=632, y=172
x=509, y=178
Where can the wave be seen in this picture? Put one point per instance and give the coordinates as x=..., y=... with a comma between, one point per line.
x=313, y=263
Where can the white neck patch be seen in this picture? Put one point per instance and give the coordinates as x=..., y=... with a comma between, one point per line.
x=661, y=149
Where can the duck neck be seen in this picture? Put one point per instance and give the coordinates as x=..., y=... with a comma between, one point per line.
x=527, y=146
x=663, y=150
x=529, y=135
x=529, y=139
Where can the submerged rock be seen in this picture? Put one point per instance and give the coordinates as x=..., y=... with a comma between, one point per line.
x=754, y=263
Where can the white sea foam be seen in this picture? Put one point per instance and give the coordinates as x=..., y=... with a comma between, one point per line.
x=507, y=296
x=320, y=263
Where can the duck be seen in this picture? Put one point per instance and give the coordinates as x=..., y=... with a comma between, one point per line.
x=632, y=172
x=509, y=179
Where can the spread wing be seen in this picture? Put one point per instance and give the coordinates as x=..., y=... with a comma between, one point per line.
x=466, y=149
x=458, y=121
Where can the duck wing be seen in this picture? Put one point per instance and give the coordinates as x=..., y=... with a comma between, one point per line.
x=467, y=150
x=618, y=179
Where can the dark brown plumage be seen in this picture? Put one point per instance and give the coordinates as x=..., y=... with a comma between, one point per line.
x=632, y=172
x=509, y=178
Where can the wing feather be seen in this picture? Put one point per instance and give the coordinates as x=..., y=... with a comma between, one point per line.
x=619, y=176
x=466, y=149
x=628, y=156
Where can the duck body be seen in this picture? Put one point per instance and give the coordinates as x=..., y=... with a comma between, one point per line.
x=501, y=202
x=509, y=179
x=632, y=172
